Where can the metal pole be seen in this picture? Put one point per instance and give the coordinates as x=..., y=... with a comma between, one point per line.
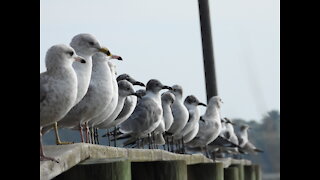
x=207, y=49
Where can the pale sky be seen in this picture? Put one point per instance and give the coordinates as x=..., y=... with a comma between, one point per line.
x=162, y=40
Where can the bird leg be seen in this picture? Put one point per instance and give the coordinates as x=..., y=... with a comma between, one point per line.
x=183, y=149
x=149, y=140
x=115, y=136
x=172, y=144
x=87, y=132
x=207, y=152
x=81, y=132
x=92, y=135
x=96, y=135
x=56, y=132
x=108, y=135
x=43, y=157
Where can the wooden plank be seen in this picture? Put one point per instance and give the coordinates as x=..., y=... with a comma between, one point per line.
x=159, y=170
x=249, y=172
x=240, y=169
x=231, y=173
x=99, y=169
x=205, y=171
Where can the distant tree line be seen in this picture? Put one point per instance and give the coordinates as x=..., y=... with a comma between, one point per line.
x=265, y=135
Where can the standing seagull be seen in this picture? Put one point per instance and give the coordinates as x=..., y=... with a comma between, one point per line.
x=209, y=126
x=97, y=96
x=179, y=111
x=147, y=115
x=191, y=129
x=167, y=100
x=85, y=45
x=129, y=103
x=126, y=109
x=244, y=142
x=58, y=87
x=110, y=108
x=125, y=89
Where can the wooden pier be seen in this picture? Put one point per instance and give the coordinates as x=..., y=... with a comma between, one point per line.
x=88, y=161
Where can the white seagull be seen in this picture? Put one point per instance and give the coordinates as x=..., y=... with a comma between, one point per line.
x=58, y=87
x=147, y=115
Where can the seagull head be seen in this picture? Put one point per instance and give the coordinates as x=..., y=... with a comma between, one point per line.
x=156, y=86
x=141, y=93
x=130, y=79
x=177, y=91
x=167, y=97
x=227, y=120
x=126, y=89
x=215, y=101
x=244, y=127
x=192, y=100
x=61, y=55
x=87, y=45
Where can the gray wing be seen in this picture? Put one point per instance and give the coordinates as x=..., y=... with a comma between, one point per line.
x=125, y=110
x=144, y=114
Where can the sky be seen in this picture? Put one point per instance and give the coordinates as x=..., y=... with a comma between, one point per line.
x=162, y=40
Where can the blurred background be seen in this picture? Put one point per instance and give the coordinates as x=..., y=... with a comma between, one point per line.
x=162, y=40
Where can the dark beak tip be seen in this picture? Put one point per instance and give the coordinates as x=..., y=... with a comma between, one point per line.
x=120, y=59
x=83, y=61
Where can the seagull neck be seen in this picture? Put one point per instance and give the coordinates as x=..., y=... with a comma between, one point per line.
x=213, y=113
x=60, y=69
x=151, y=94
x=244, y=133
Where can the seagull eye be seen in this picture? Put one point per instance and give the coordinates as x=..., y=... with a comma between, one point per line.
x=128, y=89
x=91, y=43
x=70, y=53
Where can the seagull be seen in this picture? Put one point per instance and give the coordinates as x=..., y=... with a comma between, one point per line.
x=179, y=111
x=229, y=132
x=209, y=126
x=226, y=142
x=109, y=109
x=97, y=96
x=127, y=108
x=147, y=115
x=125, y=89
x=244, y=142
x=128, y=105
x=58, y=87
x=192, y=127
x=167, y=100
x=85, y=45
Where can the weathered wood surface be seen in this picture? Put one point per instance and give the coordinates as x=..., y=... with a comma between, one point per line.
x=205, y=171
x=71, y=155
x=240, y=169
x=159, y=170
x=231, y=173
x=249, y=172
x=99, y=169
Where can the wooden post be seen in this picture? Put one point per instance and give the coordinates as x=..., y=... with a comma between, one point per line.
x=231, y=173
x=249, y=172
x=99, y=169
x=205, y=171
x=159, y=170
x=240, y=169
x=258, y=172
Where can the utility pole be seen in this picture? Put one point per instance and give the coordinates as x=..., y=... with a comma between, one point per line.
x=207, y=49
